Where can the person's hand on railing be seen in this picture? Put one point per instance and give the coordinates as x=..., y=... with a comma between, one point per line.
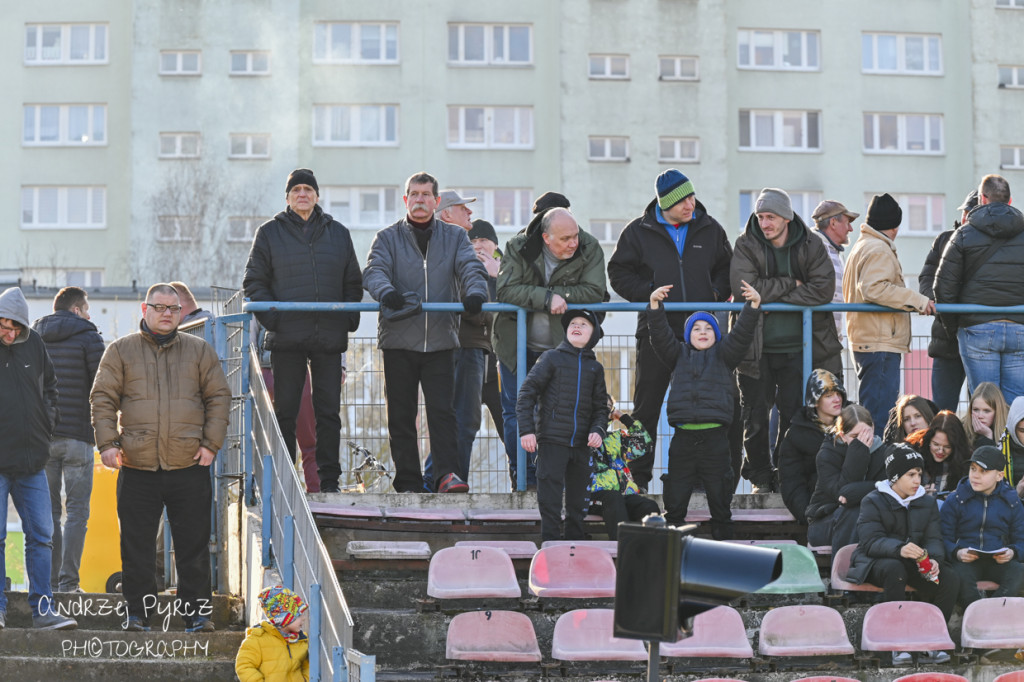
x=929, y=309
x=473, y=304
x=393, y=300
x=112, y=458
x=558, y=305
x=658, y=295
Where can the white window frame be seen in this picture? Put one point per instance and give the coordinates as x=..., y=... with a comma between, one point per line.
x=779, y=40
x=486, y=206
x=521, y=116
x=901, y=133
x=323, y=53
x=804, y=202
x=901, y=54
x=608, y=141
x=677, y=70
x=606, y=230
x=179, y=139
x=606, y=62
x=1016, y=151
x=250, y=59
x=490, y=56
x=250, y=139
x=249, y=225
x=351, y=196
x=1009, y=4
x=677, y=144
x=90, y=278
x=934, y=212
x=63, y=125
x=36, y=58
x=95, y=200
x=1016, y=76
x=778, y=119
x=179, y=56
x=326, y=113
x=179, y=236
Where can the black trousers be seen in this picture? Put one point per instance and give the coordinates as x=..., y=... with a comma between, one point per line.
x=141, y=498
x=290, y=368
x=561, y=468
x=491, y=397
x=405, y=373
x=781, y=384
x=1010, y=577
x=893, y=576
x=617, y=508
x=700, y=457
x=649, y=386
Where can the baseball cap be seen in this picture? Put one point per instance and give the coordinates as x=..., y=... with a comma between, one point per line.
x=830, y=208
x=970, y=201
x=450, y=198
x=989, y=458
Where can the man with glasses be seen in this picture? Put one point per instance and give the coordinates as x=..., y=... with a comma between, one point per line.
x=160, y=408
x=28, y=414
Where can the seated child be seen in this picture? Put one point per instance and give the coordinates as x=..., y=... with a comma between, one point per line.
x=276, y=650
x=982, y=515
x=899, y=529
x=611, y=483
x=700, y=405
x=1013, y=445
x=562, y=411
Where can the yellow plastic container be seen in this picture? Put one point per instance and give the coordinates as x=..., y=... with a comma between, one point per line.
x=101, y=558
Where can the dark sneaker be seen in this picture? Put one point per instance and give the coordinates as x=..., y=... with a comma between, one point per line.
x=933, y=657
x=51, y=621
x=136, y=624
x=200, y=624
x=451, y=483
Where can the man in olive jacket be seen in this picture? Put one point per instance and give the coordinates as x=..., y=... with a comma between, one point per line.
x=547, y=267
x=160, y=407
x=786, y=263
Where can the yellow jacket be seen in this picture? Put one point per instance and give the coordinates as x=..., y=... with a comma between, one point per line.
x=265, y=655
x=873, y=275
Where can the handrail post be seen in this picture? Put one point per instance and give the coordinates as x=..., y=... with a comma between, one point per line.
x=808, y=354
x=338, y=662
x=267, y=497
x=314, y=632
x=288, y=553
x=520, y=378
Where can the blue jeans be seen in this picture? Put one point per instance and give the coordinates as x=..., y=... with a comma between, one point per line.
x=31, y=497
x=71, y=462
x=469, y=384
x=508, y=414
x=947, y=382
x=879, y=376
x=994, y=351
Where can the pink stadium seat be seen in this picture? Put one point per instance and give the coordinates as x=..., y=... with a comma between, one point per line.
x=826, y=678
x=1015, y=676
x=995, y=623
x=492, y=636
x=586, y=635
x=719, y=679
x=820, y=549
x=804, y=631
x=905, y=626
x=572, y=571
x=718, y=633
x=471, y=573
x=516, y=549
x=931, y=677
x=840, y=566
x=345, y=510
x=610, y=546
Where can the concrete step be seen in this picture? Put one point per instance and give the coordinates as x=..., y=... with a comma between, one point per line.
x=105, y=644
x=116, y=670
x=107, y=611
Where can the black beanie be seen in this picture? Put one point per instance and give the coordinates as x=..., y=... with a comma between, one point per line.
x=550, y=200
x=884, y=213
x=482, y=230
x=902, y=458
x=302, y=176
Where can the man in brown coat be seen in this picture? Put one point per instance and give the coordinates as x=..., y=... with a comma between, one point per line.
x=173, y=401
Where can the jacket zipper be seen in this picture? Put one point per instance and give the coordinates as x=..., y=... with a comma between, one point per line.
x=984, y=515
x=316, y=286
x=426, y=294
x=576, y=407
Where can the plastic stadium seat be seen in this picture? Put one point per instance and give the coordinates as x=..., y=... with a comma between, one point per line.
x=586, y=635
x=840, y=566
x=374, y=549
x=719, y=679
x=1015, y=676
x=516, y=549
x=804, y=631
x=718, y=633
x=425, y=514
x=995, y=623
x=492, y=636
x=610, y=546
x=471, y=573
x=826, y=678
x=799, y=571
x=572, y=571
x=931, y=677
x=762, y=515
x=905, y=626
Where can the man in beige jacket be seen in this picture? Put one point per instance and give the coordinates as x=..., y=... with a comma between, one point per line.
x=173, y=401
x=879, y=340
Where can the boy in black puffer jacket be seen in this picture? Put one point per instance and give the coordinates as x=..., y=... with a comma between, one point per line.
x=567, y=385
x=700, y=405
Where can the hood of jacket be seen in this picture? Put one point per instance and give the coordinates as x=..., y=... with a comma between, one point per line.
x=533, y=245
x=886, y=488
x=820, y=382
x=1013, y=418
x=13, y=306
x=61, y=326
x=997, y=220
x=797, y=230
x=569, y=315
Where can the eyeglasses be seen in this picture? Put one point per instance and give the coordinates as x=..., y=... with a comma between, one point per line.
x=160, y=307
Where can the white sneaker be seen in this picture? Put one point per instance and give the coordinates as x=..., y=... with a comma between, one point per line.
x=934, y=657
x=901, y=658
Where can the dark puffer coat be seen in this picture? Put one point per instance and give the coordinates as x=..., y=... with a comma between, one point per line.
x=285, y=265
x=846, y=470
x=970, y=519
x=75, y=348
x=997, y=275
x=798, y=471
x=942, y=344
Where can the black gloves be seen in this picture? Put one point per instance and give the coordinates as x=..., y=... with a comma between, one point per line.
x=393, y=300
x=473, y=304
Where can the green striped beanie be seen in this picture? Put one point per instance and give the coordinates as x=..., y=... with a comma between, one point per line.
x=673, y=187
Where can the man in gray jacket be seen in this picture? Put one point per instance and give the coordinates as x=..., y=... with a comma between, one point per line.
x=422, y=258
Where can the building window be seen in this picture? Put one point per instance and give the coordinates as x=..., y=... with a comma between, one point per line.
x=919, y=55
x=607, y=231
x=243, y=228
x=250, y=63
x=179, y=145
x=177, y=228
x=83, y=208
x=1011, y=76
x=678, y=68
x=778, y=50
x=249, y=146
x=1011, y=157
x=780, y=131
x=179, y=63
x=490, y=44
x=1014, y=4
x=685, y=149
x=350, y=43
x=363, y=207
x=903, y=134
x=608, y=149
x=65, y=124
x=609, y=66
x=86, y=279
x=804, y=203
x=490, y=128
x=922, y=213
x=507, y=209
x=355, y=125
x=65, y=44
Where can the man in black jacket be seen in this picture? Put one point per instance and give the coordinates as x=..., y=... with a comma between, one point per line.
x=303, y=254
x=983, y=263
x=674, y=242
x=75, y=348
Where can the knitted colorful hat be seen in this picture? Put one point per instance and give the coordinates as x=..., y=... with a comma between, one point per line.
x=672, y=187
x=701, y=315
x=281, y=605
